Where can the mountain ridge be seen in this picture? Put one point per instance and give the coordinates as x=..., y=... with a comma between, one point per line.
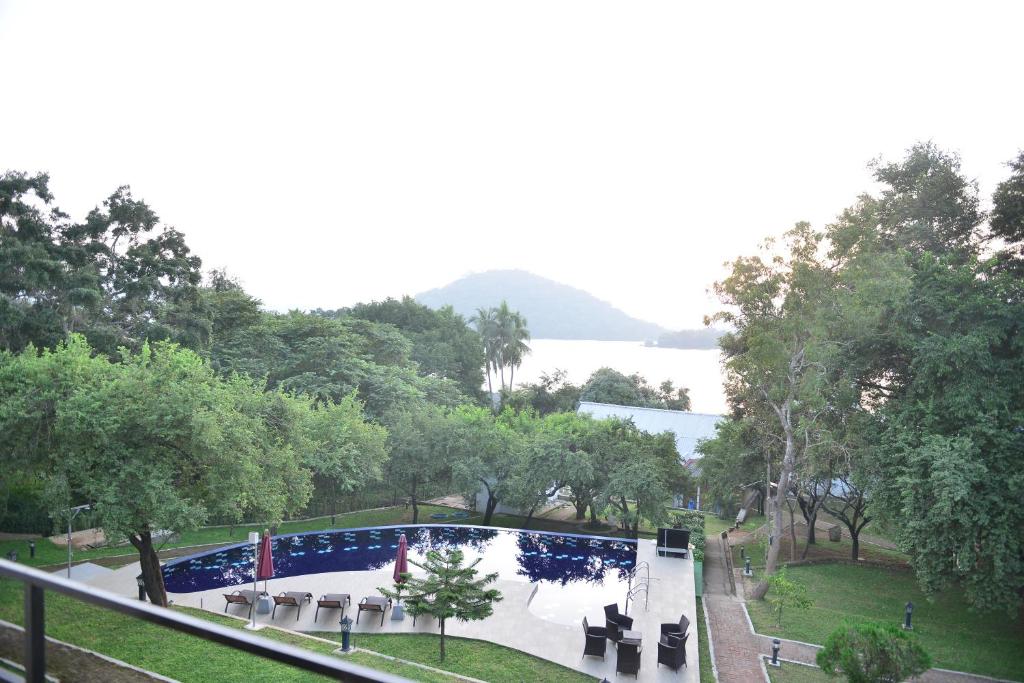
x=553, y=310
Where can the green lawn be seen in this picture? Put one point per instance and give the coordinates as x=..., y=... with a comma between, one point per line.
x=956, y=638
x=187, y=658
x=172, y=654
x=823, y=548
x=707, y=674
x=798, y=673
x=474, y=658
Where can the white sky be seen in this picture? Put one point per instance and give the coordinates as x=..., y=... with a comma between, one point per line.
x=337, y=152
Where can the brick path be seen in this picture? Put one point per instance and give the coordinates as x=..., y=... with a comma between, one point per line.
x=736, y=648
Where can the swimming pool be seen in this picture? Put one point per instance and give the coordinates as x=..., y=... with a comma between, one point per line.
x=573, y=573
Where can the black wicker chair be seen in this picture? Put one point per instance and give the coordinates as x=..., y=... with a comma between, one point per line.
x=615, y=623
x=677, y=629
x=596, y=642
x=672, y=651
x=628, y=659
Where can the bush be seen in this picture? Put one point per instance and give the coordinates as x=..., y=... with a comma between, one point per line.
x=691, y=519
x=25, y=510
x=873, y=653
x=785, y=593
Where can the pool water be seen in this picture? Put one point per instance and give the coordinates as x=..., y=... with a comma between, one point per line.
x=574, y=574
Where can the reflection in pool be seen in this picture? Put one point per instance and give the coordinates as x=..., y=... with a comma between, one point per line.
x=572, y=573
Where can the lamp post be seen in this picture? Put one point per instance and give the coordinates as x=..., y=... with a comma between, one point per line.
x=254, y=538
x=31, y=548
x=909, y=610
x=73, y=512
x=746, y=568
x=776, y=643
x=346, y=633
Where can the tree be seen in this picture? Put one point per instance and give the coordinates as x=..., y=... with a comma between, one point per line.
x=443, y=345
x=871, y=653
x=420, y=439
x=488, y=454
x=783, y=593
x=486, y=324
x=505, y=336
x=448, y=591
x=606, y=385
x=645, y=471
x=775, y=358
x=165, y=444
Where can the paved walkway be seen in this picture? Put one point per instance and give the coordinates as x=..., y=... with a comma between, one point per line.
x=736, y=648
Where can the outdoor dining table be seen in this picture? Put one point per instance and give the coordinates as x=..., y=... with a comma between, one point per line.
x=631, y=637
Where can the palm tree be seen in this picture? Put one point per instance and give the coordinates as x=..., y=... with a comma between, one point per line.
x=516, y=346
x=485, y=323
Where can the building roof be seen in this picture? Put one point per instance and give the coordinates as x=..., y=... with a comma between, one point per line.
x=689, y=428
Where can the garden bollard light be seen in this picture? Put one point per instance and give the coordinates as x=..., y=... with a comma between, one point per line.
x=332, y=521
x=346, y=633
x=31, y=548
x=743, y=552
x=909, y=611
x=142, y=587
x=775, y=652
x=746, y=568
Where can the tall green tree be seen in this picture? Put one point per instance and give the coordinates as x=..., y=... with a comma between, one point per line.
x=165, y=444
x=422, y=443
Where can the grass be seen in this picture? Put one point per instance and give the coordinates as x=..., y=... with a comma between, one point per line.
x=474, y=658
x=707, y=674
x=955, y=637
x=843, y=550
x=798, y=673
x=188, y=658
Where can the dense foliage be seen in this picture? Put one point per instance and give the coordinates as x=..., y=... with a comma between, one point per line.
x=877, y=369
x=611, y=386
x=872, y=653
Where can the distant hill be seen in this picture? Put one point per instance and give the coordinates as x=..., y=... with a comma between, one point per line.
x=552, y=310
x=691, y=339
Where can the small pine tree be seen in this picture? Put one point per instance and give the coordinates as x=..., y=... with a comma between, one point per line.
x=449, y=590
x=872, y=653
x=785, y=593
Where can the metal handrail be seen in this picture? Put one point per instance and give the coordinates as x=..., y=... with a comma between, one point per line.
x=643, y=564
x=631, y=595
x=37, y=582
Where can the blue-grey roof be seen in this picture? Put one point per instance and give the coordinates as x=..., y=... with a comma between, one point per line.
x=689, y=428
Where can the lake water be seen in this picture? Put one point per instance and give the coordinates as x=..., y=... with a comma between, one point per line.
x=696, y=369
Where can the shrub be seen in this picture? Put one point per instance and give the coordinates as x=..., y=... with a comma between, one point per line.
x=873, y=653
x=691, y=519
x=785, y=593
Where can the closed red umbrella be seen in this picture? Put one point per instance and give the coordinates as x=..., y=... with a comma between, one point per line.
x=265, y=566
x=401, y=559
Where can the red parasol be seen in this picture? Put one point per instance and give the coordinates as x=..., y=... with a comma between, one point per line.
x=265, y=567
x=401, y=559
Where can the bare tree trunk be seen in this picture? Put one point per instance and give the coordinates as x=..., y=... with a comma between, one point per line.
x=442, y=638
x=792, y=530
x=152, y=576
x=782, y=485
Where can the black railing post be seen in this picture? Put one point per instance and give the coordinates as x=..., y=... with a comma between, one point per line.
x=35, y=635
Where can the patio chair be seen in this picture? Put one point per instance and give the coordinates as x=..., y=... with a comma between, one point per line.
x=374, y=603
x=672, y=651
x=241, y=597
x=596, y=640
x=332, y=601
x=676, y=628
x=615, y=623
x=291, y=599
x=628, y=659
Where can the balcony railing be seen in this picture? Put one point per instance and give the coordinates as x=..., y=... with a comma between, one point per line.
x=34, y=660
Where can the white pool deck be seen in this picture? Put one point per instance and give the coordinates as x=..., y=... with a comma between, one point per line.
x=512, y=624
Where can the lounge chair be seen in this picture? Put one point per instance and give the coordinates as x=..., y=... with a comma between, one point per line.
x=596, y=640
x=291, y=599
x=615, y=623
x=332, y=601
x=673, y=542
x=677, y=629
x=241, y=597
x=374, y=603
x=628, y=659
x=672, y=651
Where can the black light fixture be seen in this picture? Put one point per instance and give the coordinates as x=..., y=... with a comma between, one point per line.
x=31, y=548
x=909, y=611
x=743, y=552
x=346, y=633
x=142, y=587
x=746, y=568
x=776, y=643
